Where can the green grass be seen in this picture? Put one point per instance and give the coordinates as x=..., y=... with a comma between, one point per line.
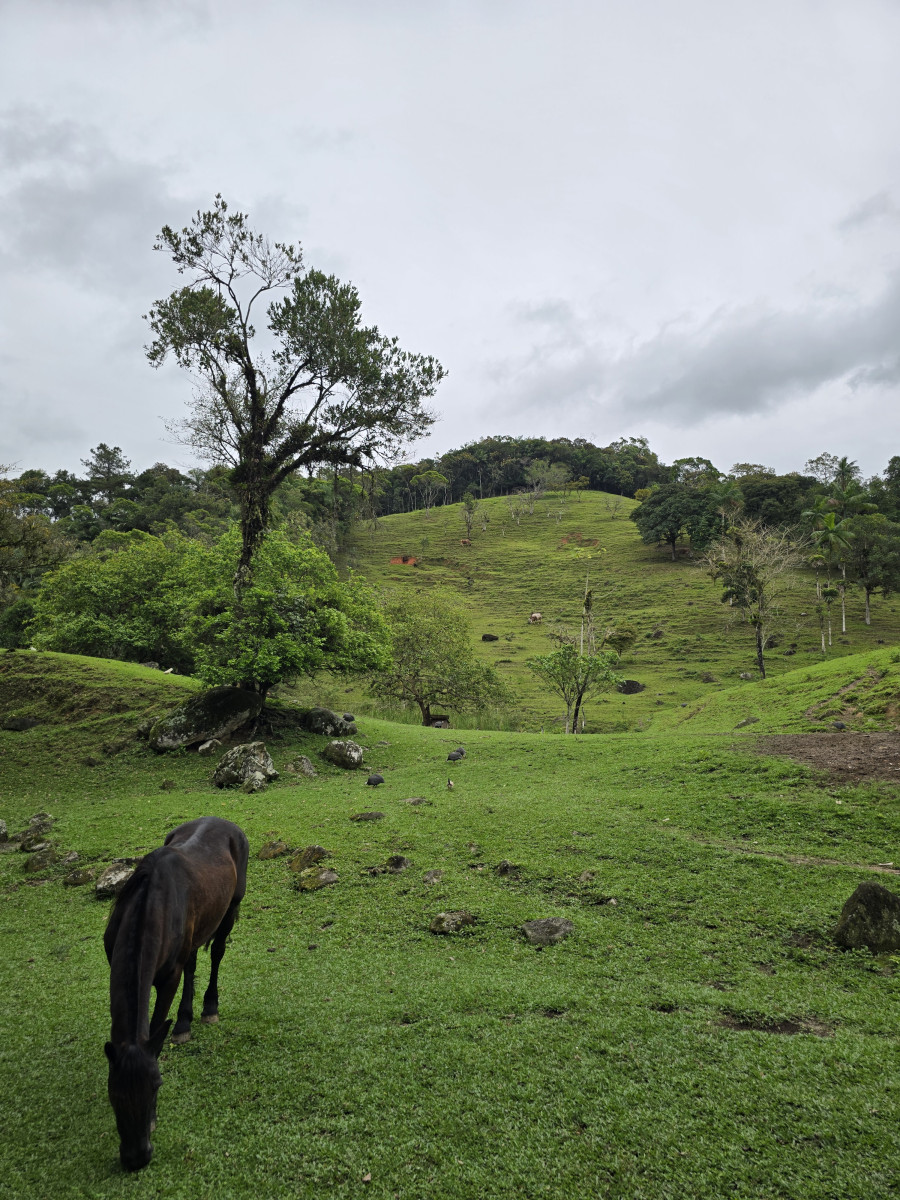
x=690, y=643
x=608, y=1066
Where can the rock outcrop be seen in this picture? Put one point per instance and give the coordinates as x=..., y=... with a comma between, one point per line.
x=248, y=767
x=216, y=713
x=348, y=755
x=870, y=919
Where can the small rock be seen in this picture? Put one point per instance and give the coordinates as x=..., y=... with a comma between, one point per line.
x=113, y=879
x=871, y=919
x=274, y=850
x=209, y=747
x=746, y=675
x=151, y=666
x=78, y=878
x=506, y=869
x=375, y=780
x=451, y=922
x=433, y=876
x=547, y=931
x=301, y=766
x=367, y=816
x=45, y=857
x=33, y=843
x=586, y=876
x=349, y=717
x=418, y=800
x=19, y=724
x=314, y=878
x=4, y=832
x=397, y=864
x=71, y=857
x=348, y=755
x=308, y=857
x=630, y=687
x=248, y=766
x=490, y=637
x=41, y=822
x=324, y=721
x=746, y=721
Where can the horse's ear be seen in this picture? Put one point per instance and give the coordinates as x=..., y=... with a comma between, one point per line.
x=157, y=1039
x=110, y=1051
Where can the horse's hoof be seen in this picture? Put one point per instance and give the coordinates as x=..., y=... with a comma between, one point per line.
x=178, y=1039
x=212, y=1019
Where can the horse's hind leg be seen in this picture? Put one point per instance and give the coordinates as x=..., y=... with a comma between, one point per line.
x=210, y=1013
x=182, y=1030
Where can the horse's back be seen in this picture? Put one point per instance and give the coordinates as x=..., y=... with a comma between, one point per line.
x=209, y=838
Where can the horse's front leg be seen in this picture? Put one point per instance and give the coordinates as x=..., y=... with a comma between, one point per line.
x=210, y=1014
x=182, y=1030
x=166, y=987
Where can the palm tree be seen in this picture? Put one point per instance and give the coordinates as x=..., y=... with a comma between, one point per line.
x=728, y=500
x=831, y=540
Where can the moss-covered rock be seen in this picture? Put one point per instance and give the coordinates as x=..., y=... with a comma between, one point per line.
x=870, y=919
x=248, y=767
x=323, y=720
x=213, y=714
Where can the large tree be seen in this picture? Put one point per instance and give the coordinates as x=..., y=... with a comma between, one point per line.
x=325, y=389
x=675, y=509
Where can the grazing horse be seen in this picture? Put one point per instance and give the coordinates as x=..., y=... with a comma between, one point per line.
x=182, y=896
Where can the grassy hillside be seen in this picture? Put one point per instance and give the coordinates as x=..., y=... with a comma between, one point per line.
x=690, y=644
x=698, y=1035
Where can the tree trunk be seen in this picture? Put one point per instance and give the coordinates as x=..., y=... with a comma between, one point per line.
x=426, y=712
x=759, y=650
x=672, y=548
x=868, y=609
x=254, y=497
x=843, y=608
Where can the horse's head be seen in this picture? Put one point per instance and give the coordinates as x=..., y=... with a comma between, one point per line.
x=134, y=1080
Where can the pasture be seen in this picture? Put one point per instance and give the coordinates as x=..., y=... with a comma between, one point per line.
x=698, y=1035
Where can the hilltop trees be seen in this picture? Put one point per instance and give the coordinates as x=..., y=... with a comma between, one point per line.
x=327, y=390
x=674, y=510
x=433, y=661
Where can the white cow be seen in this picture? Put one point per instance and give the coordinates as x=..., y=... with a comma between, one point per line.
x=535, y=619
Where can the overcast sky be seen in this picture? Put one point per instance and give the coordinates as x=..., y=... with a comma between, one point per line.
x=670, y=218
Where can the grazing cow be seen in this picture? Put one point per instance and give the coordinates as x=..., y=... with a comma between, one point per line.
x=465, y=542
x=535, y=619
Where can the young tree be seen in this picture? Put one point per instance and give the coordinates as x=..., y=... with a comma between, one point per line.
x=434, y=664
x=428, y=484
x=469, y=512
x=574, y=676
x=755, y=564
x=328, y=389
x=873, y=555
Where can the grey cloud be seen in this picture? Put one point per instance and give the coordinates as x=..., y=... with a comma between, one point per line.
x=876, y=208
x=740, y=363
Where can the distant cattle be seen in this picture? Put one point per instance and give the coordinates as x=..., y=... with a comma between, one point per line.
x=535, y=619
x=465, y=542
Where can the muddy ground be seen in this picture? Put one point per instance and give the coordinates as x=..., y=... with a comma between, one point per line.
x=845, y=757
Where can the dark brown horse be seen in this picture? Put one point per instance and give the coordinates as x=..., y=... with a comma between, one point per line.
x=182, y=896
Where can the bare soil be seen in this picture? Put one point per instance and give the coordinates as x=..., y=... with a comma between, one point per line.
x=844, y=757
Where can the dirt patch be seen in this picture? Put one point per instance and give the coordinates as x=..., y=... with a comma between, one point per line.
x=752, y=1024
x=404, y=560
x=844, y=757
x=576, y=539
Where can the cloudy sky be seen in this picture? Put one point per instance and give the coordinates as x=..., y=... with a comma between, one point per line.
x=670, y=218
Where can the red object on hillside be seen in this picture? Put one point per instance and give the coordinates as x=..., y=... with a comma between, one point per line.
x=405, y=560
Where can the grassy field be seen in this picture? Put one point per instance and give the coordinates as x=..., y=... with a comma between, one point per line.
x=689, y=645
x=699, y=1034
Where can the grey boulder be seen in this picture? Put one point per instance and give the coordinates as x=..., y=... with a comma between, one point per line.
x=113, y=879
x=216, y=713
x=248, y=767
x=346, y=754
x=870, y=919
x=301, y=766
x=323, y=720
x=451, y=922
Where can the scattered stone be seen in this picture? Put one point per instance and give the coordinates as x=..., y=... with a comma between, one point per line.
x=41, y=822
x=167, y=785
x=708, y=677
x=274, y=850
x=152, y=666
x=42, y=858
x=348, y=755
x=506, y=869
x=630, y=687
x=78, y=878
x=308, y=857
x=547, y=931
x=301, y=766
x=871, y=919
x=490, y=637
x=324, y=721
x=454, y=756
x=433, y=876
x=113, y=879
x=142, y=732
x=375, y=780
x=367, y=816
x=19, y=724
x=397, y=864
x=746, y=721
x=417, y=800
x=314, y=878
x=213, y=714
x=451, y=922
x=747, y=675
x=587, y=876
x=33, y=842
x=71, y=857
x=248, y=766
x=4, y=832
x=209, y=747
